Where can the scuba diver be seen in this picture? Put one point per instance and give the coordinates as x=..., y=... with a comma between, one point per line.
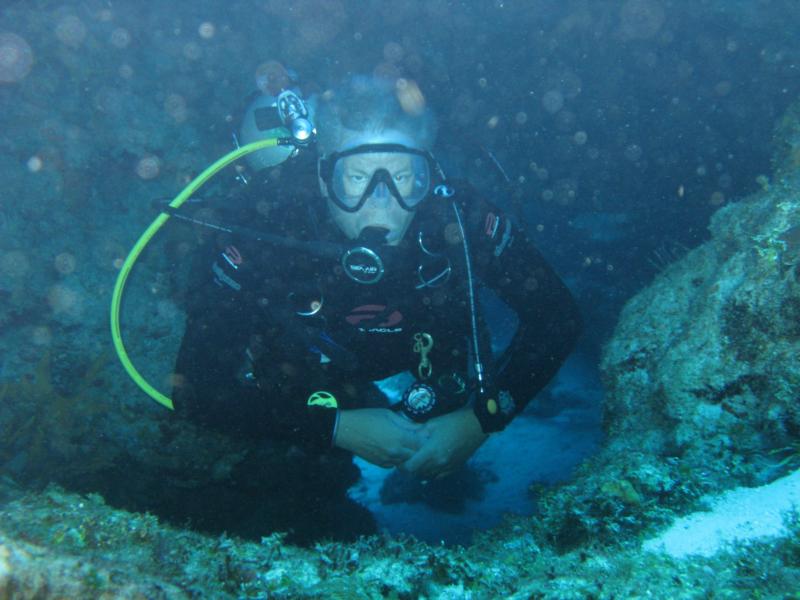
x=340, y=269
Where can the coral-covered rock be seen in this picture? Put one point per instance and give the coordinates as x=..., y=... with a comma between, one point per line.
x=702, y=375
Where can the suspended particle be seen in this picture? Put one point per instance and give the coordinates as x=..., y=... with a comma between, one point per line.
x=272, y=77
x=192, y=51
x=65, y=263
x=206, y=30
x=16, y=58
x=633, y=152
x=393, y=52
x=521, y=118
x=14, y=264
x=641, y=19
x=580, y=138
x=41, y=336
x=148, y=167
x=175, y=107
x=717, y=198
x=120, y=38
x=493, y=121
x=63, y=299
x=71, y=31
x=409, y=96
x=35, y=164
x=553, y=101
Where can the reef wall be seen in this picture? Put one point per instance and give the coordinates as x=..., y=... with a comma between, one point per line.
x=701, y=373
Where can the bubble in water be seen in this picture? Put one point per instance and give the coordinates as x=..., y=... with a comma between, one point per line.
x=206, y=30
x=16, y=58
x=125, y=71
x=641, y=19
x=493, y=121
x=410, y=96
x=521, y=118
x=120, y=38
x=547, y=195
x=71, y=31
x=633, y=152
x=580, y=138
x=65, y=263
x=148, y=167
x=553, y=101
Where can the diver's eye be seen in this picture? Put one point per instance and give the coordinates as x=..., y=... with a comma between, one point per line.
x=356, y=179
x=402, y=177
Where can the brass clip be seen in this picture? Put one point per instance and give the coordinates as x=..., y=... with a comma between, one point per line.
x=423, y=342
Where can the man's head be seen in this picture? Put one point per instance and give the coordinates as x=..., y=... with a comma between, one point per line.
x=375, y=164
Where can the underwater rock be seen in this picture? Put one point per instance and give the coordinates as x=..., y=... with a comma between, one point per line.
x=701, y=373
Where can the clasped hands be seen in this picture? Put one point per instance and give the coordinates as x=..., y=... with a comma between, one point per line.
x=388, y=439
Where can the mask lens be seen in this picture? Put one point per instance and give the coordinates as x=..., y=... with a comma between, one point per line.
x=409, y=177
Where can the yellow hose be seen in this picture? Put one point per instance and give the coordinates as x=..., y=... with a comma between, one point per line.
x=144, y=239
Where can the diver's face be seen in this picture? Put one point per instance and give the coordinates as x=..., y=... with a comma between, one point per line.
x=381, y=209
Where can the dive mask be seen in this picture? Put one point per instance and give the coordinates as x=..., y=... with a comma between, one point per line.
x=353, y=176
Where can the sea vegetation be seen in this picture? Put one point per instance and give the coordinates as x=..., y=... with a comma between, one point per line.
x=57, y=544
x=46, y=429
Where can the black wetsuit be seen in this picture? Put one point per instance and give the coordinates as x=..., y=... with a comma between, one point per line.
x=253, y=354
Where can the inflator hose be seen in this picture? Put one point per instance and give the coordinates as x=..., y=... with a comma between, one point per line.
x=133, y=255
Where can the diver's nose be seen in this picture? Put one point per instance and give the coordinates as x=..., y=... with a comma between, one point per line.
x=381, y=194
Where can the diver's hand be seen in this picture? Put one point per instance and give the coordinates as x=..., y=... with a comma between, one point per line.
x=449, y=442
x=378, y=435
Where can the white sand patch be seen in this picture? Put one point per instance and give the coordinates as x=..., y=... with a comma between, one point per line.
x=740, y=515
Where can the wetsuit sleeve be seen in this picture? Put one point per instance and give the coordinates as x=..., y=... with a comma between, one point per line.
x=226, y=333
x=506, y=261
